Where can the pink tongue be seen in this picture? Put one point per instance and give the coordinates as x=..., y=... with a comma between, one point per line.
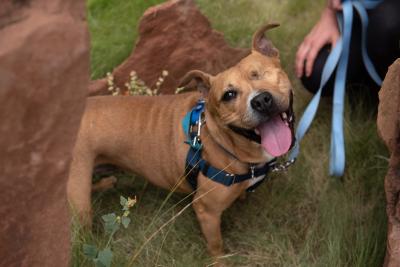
x=276, y=136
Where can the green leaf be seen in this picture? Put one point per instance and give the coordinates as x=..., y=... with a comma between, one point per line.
x=125, y=221
x=110, y=223
x=90, y=251
x=111, y=217
x=122, y=201
x=111, y=227
x=105, y=257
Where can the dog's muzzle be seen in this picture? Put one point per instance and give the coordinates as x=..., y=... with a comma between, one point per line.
x=263, y=103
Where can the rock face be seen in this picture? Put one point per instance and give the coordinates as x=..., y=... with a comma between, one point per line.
x=176, y=37
x=44, y=74
x=389, y=130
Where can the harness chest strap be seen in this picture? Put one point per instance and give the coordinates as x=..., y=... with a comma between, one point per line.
x=196, y=164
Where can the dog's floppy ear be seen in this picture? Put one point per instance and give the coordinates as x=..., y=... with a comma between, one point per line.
x=262, y=44
x=197, y=79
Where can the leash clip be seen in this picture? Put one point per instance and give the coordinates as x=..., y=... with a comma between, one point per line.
x=252, y=167
x=282, y=166
x=196, y=140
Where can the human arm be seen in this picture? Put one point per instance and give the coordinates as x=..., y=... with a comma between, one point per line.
x=326, y=31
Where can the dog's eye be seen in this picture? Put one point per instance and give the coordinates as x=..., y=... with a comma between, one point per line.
x=229, y=95
x=254, y=75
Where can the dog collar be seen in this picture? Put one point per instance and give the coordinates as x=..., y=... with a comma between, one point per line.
x=192, y=123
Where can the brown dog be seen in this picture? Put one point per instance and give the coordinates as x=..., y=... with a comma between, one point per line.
x=144, y=134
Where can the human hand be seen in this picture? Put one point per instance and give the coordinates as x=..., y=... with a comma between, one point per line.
x=326, y=31
x=335, y=4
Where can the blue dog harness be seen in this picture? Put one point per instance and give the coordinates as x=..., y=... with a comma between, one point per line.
x=338, y=58
x=196, y=164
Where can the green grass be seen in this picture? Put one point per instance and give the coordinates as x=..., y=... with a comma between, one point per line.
x=301, y=218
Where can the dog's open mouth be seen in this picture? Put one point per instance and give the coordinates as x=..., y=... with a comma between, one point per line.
x=276, y=134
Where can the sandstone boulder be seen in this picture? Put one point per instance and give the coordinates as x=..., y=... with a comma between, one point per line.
x=388, y=127
x=44, y=74
x=176, y=37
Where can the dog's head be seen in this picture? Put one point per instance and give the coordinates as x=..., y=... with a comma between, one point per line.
x=253, y=98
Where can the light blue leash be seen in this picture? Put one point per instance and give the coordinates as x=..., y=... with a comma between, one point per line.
x=338, y=58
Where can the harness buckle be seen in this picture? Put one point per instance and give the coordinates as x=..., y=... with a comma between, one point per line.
x=199, y=124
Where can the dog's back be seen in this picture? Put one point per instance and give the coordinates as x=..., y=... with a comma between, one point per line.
x=149, y=121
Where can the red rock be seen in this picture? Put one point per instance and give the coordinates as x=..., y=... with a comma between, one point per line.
x=44, y=74
x=176, y=37
x=388, y=128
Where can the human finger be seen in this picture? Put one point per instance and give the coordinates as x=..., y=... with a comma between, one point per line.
x=312, y=54
x=300, y=57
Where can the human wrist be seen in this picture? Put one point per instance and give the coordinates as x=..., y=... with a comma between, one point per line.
x=328, y=13
x=334, y=5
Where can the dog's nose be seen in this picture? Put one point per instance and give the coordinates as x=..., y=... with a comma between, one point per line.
x=262, y=102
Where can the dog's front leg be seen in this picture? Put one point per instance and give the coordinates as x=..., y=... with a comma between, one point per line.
x=79, y=186
x=210, y=201
x=210, y=223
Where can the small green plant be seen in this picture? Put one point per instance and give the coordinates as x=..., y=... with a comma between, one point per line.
x=136, y=86
x=179, y=90
x=111, y=86
x=112, y=223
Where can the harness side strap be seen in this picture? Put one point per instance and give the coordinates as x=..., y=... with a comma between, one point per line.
x=196, y=164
